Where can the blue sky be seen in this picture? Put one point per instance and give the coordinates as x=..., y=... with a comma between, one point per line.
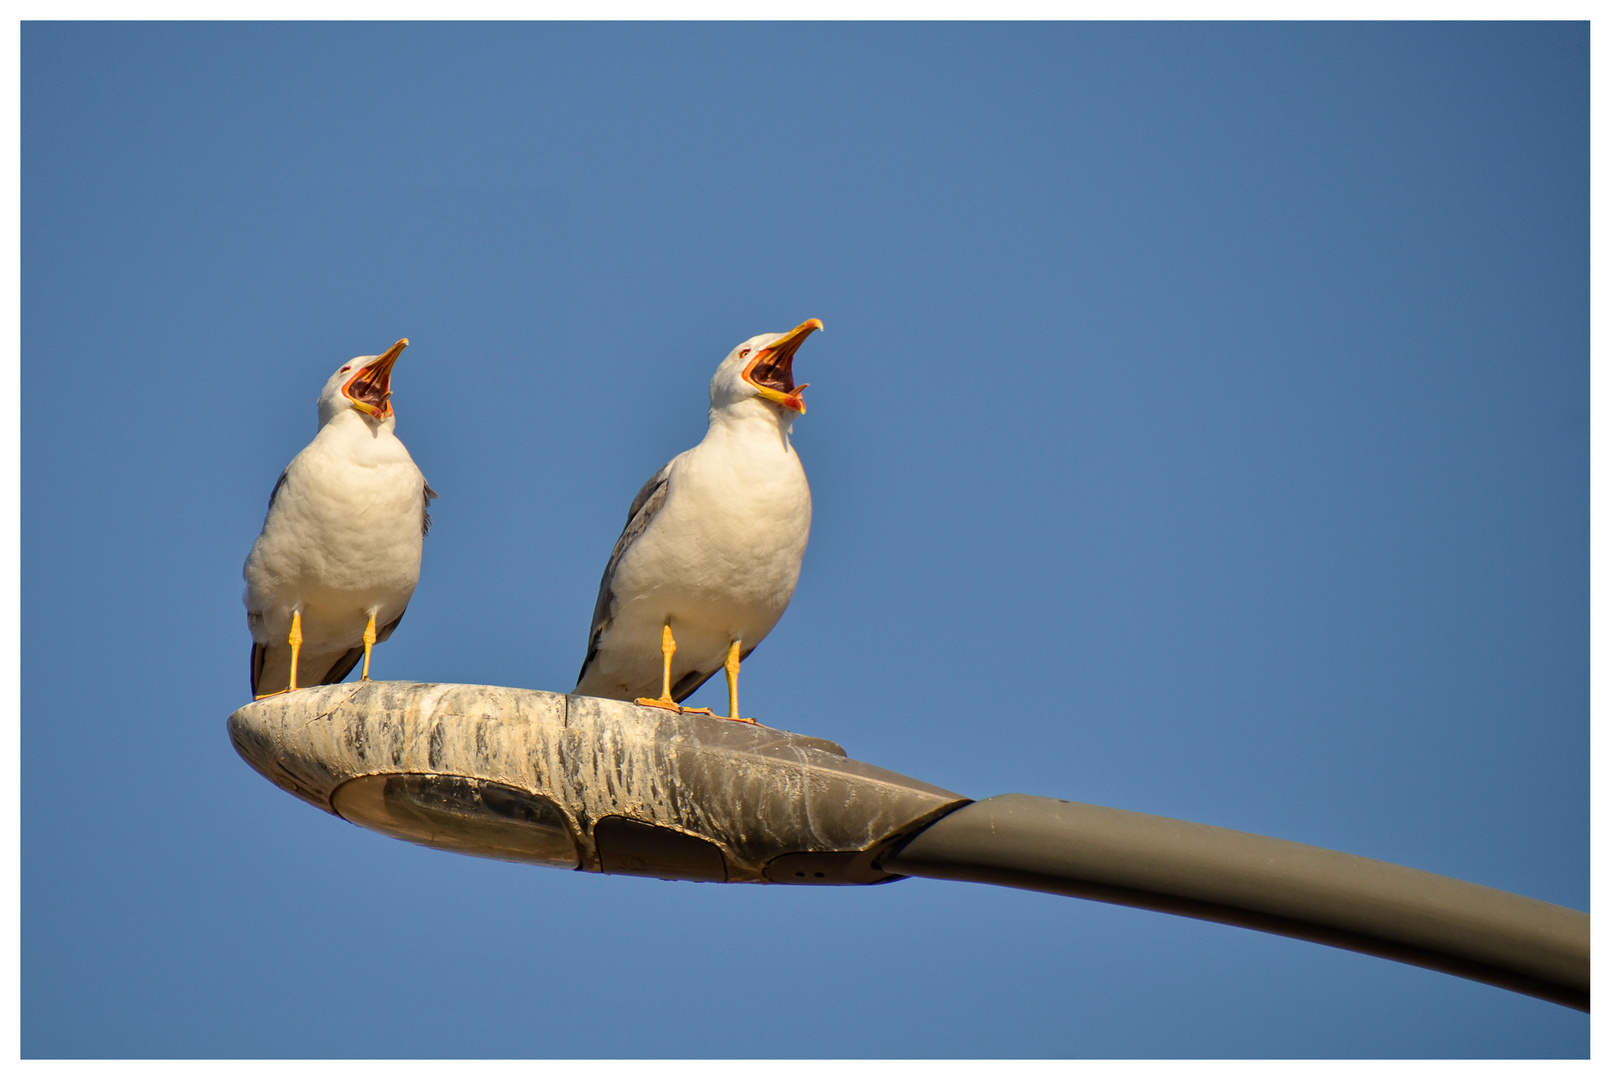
x=1200, y=428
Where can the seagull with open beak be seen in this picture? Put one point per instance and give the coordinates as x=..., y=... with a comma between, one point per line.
x=712, y=546
x=339, y=555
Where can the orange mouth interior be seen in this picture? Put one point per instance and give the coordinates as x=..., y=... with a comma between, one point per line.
x=772, y=370
x=371, y=388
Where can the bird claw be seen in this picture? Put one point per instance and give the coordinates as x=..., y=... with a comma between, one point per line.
x=662, y=703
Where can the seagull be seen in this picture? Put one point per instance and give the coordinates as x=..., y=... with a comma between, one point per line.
x=339, y=554
x=712, y=546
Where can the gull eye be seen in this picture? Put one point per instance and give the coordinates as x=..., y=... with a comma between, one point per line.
x=344, y=370
x=742, y=353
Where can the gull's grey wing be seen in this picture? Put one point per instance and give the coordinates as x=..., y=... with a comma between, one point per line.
x=342, y=667
x=696, y=678
x=650, y=498
x=425, y=514
x=275, y=494
x=349, y=659
x=689, y=683
x=259, y=652
x=310, y=672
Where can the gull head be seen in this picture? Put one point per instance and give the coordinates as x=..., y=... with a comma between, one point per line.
x=363, y=383
x=763, y=368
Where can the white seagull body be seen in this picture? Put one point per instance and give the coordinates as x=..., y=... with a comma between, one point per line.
x=711, y=551
x=339, y=555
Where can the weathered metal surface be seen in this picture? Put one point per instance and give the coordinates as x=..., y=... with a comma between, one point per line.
x=680, y=796
x=584, y=783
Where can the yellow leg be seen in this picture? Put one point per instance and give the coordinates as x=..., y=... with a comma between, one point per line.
x=369, y=644
x=295, y=640
x=732, y=683
x=668, y=648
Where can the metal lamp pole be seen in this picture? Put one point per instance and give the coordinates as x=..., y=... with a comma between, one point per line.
x=609, y=787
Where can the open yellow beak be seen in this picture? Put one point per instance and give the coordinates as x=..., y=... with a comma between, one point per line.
x=771, y=372
x=370, y=389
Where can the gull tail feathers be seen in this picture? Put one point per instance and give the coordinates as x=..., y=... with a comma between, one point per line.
x=271, y=667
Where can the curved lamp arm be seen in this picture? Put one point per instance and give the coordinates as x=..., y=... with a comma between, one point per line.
x=608, y=787
x=1261, y=883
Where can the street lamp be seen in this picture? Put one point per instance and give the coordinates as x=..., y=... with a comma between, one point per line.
x=609, y=787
